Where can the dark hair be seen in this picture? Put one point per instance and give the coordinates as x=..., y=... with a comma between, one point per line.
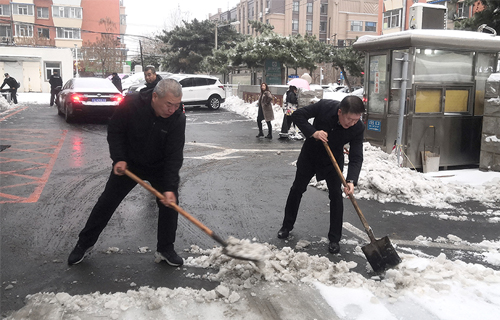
x=115, y=74
x=292, y=88
x=152, y=68
x=267, y=88
x=352, y=104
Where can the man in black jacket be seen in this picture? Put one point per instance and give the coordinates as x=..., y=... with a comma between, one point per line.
x=151, y=78
x=55, y=81
x=146, y=134
x=13, y=86
x=117, y=81
x=338, y=124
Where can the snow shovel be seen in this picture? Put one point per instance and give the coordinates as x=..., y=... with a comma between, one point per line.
x=380, y=253
x=233, y=248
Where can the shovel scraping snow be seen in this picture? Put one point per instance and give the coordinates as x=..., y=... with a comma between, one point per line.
x=234, y=248
x=380, y=253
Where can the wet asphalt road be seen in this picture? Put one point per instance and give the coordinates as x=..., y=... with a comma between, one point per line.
x=232, y=182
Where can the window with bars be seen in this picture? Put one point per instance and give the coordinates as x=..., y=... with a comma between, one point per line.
x=67, y=12
x=295, y=6
x=323, y=8
x=392, y=19
x=370, y=26
x=309, y=7
x=356, y=25
x=24, y=30
x=42, y=13
x=4, y=10
x=68, y=33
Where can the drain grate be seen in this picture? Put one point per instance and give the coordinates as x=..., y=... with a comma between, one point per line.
x=3, y=147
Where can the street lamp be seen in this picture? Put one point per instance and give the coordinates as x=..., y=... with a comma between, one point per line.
x=76, y=60
x=234, y=23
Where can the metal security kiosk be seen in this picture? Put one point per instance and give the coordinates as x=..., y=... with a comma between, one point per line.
x=447, y=73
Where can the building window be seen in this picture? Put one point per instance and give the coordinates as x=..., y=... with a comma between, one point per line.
x=42, y=13
x=341, y=43
x=43, y=33
x=309, y=7
x=123, y=19
x=356, y=25
x=309, y=26
x=68, y=33
x=24, y=30
x=22, y=9
x=392, y=19
x=50, y=67
x=5, y=31
x=295, y=25
x=4, y=10
x=295, y=6
x=322, y=26
x=323, y=8
x=67, y=12
x=370, y=26
x=462, y=10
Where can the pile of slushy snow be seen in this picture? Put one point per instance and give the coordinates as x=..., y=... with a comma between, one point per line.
x=443, y=288
x=383, y=180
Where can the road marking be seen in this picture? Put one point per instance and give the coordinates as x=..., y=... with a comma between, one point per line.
x=224, y=154
x=30, y=149
x=360, y=234
x=10, y=113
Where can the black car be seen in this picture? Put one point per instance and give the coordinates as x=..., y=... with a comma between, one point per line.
x=87, y=97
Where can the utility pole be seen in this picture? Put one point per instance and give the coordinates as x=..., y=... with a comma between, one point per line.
x=76, y=61
x=142, y=59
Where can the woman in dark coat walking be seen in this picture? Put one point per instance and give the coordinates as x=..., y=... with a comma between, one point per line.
x=265, y=111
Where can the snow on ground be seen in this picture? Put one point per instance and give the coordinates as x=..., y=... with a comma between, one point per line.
x=421, y=287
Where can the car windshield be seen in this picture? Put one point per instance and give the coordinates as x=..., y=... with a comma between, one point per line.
x=93, y=84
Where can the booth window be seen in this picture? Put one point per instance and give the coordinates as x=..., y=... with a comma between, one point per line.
x=50, y=67
x=456, y=100
x=443, y=66
x=428, y=101
x=377, y=84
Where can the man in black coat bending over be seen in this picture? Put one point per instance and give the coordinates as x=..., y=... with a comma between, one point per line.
x=13, y=86
x=338, y=124
x=146, y=134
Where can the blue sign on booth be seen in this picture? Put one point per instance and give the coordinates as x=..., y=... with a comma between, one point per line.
x=374, y=125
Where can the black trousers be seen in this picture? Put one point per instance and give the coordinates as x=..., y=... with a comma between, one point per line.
x=287, y=123
x=260, y=117
x=303, y=176
x=53, y=93
x=13, y=95
x=115, y=191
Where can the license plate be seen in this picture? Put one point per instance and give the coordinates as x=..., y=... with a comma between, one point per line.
x=98, y=100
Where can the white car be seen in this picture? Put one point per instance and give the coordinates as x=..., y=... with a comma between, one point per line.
x=201, y=90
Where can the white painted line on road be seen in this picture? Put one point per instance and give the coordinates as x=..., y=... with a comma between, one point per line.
x=360, y=234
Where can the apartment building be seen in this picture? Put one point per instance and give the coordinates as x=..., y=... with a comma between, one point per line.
x=394, y=14
x=59, y=23
x=337, y=22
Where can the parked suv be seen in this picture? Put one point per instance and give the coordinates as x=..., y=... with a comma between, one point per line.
x=201, y=90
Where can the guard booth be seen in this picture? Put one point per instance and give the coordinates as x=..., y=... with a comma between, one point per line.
x=447, y=73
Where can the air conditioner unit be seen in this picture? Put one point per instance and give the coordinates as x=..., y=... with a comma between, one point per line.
x=428, y=16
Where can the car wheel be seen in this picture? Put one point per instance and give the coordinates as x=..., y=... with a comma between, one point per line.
x=67, y=116
x=214, y=102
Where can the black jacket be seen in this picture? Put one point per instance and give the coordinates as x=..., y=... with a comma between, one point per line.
x=291, y=97
x=148, y=143
x=152, y=85
x=55, y=81
x=117, y=81
x=11, y=82
x=325, y=114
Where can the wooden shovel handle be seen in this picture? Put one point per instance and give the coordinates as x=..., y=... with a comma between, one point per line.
x=351, y=196
x=176, y=207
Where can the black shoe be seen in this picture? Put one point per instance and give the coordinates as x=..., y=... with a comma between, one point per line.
x=269, y=136
x=261, y=134
x=170, y=257
x=283, y=233
x=334, y=247
x=78, y=254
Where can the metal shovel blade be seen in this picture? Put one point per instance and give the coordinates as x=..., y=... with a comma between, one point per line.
x=381, y=254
